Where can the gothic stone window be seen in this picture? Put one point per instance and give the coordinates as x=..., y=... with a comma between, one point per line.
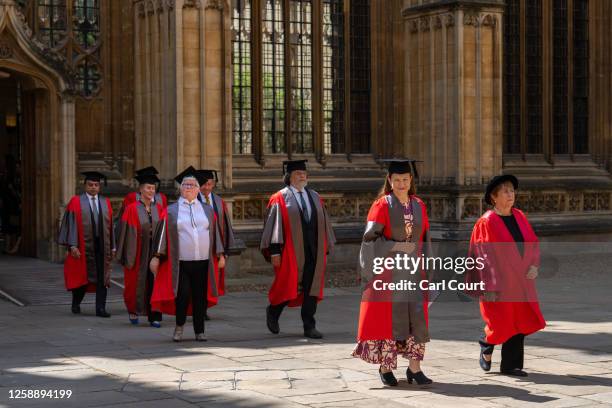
x=293, y=88
x=70, y=28
x=525, y=100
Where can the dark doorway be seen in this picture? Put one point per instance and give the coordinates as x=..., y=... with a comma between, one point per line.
x=17, y=167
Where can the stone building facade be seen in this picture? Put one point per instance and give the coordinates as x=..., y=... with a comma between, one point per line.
x=473, y=88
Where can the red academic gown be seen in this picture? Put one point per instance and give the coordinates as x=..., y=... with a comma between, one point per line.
x=285, y=285
x=163, y=298
x=75, y=270
x=130, y=253
x=505, y=273
x=226, y=232
x=227, y=237
x=131, y=198
x=376, y=314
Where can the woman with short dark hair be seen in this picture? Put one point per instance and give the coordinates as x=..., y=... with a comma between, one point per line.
x=505, y=240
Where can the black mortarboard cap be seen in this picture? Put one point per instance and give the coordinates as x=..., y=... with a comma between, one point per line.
x=188, y=172
x=292, y=165
x=402, y=166
x=147, y=171
x=208, y=174
x=496, y=181
x=94, y=176
x=147, y=179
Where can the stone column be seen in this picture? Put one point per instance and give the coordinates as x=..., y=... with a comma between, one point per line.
x=183, y=85
x=453, y=88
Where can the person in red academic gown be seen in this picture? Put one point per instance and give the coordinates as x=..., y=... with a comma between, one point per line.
x=135, y=249
x=160, y=198
x=87, y=232
x=190, y=250
x=509, y=305
x=208, y=181
x=394, y=323
x=134, y=196
x=296, y=239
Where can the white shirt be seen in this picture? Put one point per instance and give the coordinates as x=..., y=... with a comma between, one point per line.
x=193, y=231
x=297, y=194
x=210, y=199
x=95, y=200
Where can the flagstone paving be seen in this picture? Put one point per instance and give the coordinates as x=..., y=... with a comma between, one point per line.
x=108, y=362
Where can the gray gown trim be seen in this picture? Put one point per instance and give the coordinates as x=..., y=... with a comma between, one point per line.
x=224, y=224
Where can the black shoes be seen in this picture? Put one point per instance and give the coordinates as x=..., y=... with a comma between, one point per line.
x=388, y=378
x=102, y=313
x=271, y=321
x=313, y=333
x=419, y=377
x=515, y=372
x=76, y=309
x=484, y=364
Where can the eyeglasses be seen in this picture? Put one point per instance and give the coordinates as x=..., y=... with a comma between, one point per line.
x=189, y=186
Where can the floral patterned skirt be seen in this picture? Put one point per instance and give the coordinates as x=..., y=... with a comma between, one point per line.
x=385, y=352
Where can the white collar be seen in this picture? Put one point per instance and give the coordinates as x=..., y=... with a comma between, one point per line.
x=295, y=190
x=183, y=200
x=90, y=196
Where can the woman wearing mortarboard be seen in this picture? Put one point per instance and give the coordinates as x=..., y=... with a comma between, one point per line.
x=87, y=232
x=138, y=223
x=159, y=197
x=190, y=249
x=393, y=323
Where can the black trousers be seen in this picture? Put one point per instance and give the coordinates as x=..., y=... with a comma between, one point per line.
x=153, y=316
x=309, y=306
x=513, y=352
x=101, y=291
x=192, y=288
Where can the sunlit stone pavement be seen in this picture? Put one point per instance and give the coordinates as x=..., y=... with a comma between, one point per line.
x=108, y=362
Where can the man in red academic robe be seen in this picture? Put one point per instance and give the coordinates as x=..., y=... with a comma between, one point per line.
x=87, y=232
x=208, y=183
x=297, y=238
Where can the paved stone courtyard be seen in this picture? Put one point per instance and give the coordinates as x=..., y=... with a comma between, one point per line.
x=107, y=362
